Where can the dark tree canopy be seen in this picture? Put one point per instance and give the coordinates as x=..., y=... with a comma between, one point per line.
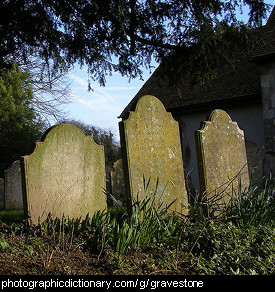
x=122, y=35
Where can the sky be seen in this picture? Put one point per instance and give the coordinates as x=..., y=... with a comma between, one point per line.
x=102, y=106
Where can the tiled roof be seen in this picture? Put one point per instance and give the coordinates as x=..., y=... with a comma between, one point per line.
x=267, y=43
x=229, y=84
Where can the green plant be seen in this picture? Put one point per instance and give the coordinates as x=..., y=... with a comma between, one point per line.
x=12, y=216
x=224, y=248
x=149, y=222
x=62, y=231
x=159, y=240
x=4, y=245
x=255, y=206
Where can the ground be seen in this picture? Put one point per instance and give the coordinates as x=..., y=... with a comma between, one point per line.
x=40, y=257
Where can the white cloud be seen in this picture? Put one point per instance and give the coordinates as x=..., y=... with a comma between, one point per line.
x=123, y=88
x=78, y=80
x=96, y=99
x=72, y=95
x=102, y=105
x=98, y=103
x=109, y=97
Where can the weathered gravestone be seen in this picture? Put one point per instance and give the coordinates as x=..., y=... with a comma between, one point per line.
x=117, y=182
x=2, y=194
x=151, y=148
x=221, y=154
x=255, y=162
x=64, y=175
x=13, y=187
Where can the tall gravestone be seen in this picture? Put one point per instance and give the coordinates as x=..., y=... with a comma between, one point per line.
x=221, y=154
x=151, y=148
x=64, y=175
x=13, y=187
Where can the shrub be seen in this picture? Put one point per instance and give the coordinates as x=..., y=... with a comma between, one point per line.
x=224, y=248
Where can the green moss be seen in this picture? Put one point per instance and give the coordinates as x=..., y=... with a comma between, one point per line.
x=153, y=150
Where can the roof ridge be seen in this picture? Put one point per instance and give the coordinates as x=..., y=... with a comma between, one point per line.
x=271, y=19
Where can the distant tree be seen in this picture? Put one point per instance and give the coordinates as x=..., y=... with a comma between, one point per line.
x=102, y=137
x=20, y=126
x=124, y=35
x=50, y=91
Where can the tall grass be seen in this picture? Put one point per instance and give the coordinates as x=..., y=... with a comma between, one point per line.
x=255, y=206
x=239, y=238
x=151, y=224
x=148, y=223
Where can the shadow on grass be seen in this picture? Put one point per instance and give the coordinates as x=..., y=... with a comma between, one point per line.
x=12, y=216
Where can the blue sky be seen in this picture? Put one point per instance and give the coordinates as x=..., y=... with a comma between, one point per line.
x=103, y=105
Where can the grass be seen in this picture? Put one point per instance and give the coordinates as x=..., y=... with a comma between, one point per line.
x=255, y=206
x=12, y=216
x=150, y=240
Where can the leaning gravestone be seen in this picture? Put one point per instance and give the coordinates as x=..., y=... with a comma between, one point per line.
x=64, y=175
x=151, y=148
x=13, y=187
x=221, y=156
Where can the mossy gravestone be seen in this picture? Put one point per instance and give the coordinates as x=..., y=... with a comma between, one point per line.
x=151, y=149
x=64, y=175
x=221, y=156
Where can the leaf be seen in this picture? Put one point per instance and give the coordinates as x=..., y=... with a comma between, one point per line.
x=4, y=245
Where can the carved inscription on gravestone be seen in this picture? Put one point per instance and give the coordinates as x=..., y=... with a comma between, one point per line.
x=151, y=149
x=13, y=187
x=64, y=175
x=221, y=155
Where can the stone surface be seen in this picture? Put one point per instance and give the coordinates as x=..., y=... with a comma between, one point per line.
x=151, y=148
x=2, y=194
x=64, y=175
x=221, y=154
x=255, y=162
x=268, y=98
x=13, y=187
x=117, y=182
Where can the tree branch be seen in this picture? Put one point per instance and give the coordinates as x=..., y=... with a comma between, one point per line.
x=130, y=33
x=132, y=26
x=154, y=43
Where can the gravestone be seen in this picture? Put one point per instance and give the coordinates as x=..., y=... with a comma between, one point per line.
x=64, y=175
x=151, y=149
x=255, y=162
x=2, y=194
x=221, y=155
x=117, y=182
x=13, y=187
